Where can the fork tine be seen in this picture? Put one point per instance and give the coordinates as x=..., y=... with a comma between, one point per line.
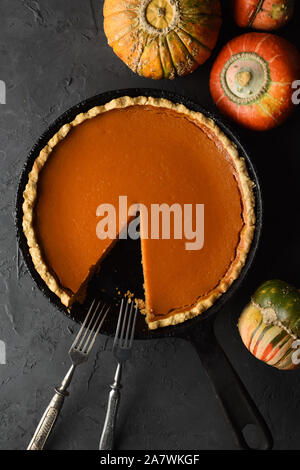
x=125, y=340
x=133, y=327
x=119, y=323
x=121, y=337
x=83, y=325
x=126, y=323
x=88, y=326
x=97, y=330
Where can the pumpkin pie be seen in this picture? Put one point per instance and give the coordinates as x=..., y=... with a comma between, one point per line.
x=153, y=152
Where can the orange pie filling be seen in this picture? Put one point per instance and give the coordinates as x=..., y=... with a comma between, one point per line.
x=153, y=152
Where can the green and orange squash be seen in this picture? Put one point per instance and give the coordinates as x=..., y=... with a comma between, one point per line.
x=270, y=325
x=162, y=38
x=251, y=80
x=265, y=15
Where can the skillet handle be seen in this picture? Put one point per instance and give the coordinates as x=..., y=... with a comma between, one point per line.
x=238, y=406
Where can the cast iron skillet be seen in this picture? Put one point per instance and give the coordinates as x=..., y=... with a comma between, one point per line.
x=122, y=270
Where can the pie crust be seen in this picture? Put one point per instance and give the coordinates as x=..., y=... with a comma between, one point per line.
x=245, y=186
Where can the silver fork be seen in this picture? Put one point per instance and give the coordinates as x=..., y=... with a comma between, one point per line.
x=122, y=351
x=79, y=353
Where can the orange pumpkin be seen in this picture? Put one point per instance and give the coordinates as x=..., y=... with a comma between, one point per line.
x=162, y=38
x=251, y=80
x=263, y=14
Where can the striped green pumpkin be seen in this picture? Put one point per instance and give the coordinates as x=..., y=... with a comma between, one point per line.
x=270, y=324
x=268, y=343
x=279, y=303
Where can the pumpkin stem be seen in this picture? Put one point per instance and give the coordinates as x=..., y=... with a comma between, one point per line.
x=161, y=12
x=245, y=77
x=255, y=12
x=159, y=16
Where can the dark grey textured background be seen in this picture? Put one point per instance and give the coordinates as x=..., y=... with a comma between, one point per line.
x=53, y=54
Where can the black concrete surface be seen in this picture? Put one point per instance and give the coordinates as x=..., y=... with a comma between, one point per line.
x=54, y=54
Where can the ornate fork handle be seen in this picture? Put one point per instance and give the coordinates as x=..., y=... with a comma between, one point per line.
x=51, y=413
x=79, y=353
x=48, y=420
x=107, y=437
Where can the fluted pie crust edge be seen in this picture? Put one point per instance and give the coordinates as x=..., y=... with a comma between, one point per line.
x=245, y=186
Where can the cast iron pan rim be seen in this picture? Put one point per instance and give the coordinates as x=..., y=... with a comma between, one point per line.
x=100, y=99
